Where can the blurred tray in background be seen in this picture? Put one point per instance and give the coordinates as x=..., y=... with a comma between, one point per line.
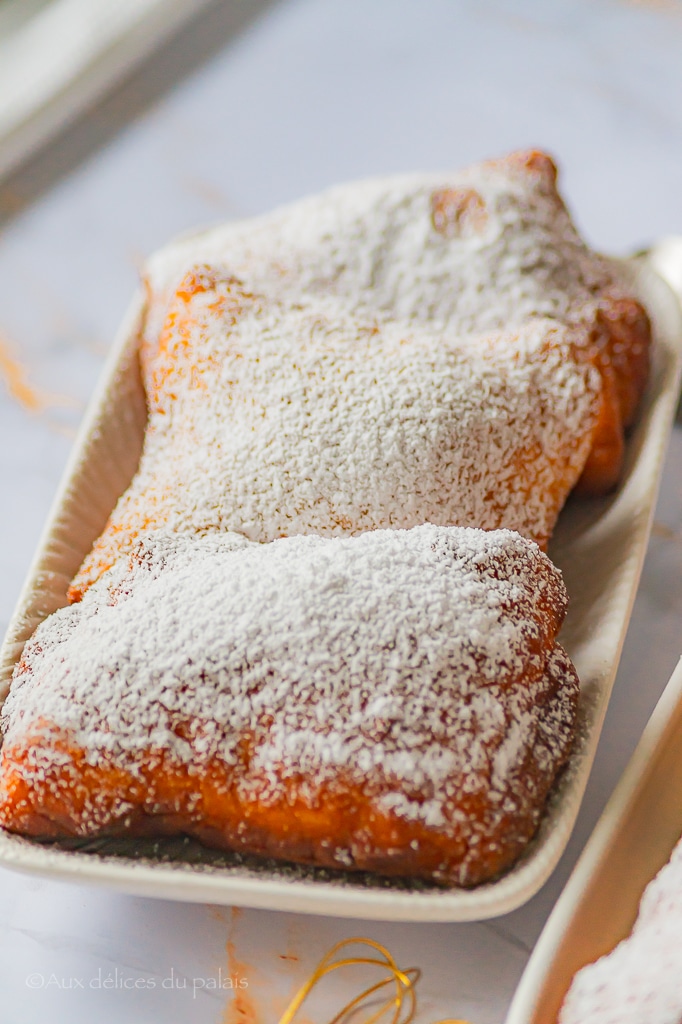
x=58, y=57
x=633, y=839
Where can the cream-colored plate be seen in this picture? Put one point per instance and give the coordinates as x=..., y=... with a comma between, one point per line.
x=599, y=545
x=632, y=841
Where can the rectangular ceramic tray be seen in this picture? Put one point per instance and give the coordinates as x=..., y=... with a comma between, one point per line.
x=599, y=545
x=632, y=841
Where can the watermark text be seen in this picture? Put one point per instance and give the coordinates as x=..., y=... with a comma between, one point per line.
x=120, y=981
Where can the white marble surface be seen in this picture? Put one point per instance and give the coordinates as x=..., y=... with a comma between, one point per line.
x=313, y=92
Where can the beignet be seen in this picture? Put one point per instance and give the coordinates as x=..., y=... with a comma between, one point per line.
x=394, y=701
x=272, y=419
x=434, y=348
x=480, y=250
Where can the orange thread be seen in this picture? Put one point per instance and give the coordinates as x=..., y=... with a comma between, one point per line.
x=15, y=379
x=14, y=376
x=242, y=1008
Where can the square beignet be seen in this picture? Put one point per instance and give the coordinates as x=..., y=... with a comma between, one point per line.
x=435, y=348
x=394, y=701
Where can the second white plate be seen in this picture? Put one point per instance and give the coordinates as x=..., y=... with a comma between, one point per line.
x=630, y=844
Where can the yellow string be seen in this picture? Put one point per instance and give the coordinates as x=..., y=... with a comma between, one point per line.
x=403, y=1002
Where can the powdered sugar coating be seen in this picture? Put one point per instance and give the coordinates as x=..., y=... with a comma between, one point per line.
x=425, y=348
x=379, y=247
x=641, y=980
x=273, y=419
x=416, y=664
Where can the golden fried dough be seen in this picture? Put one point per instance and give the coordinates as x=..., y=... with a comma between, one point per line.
x=394, y=701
